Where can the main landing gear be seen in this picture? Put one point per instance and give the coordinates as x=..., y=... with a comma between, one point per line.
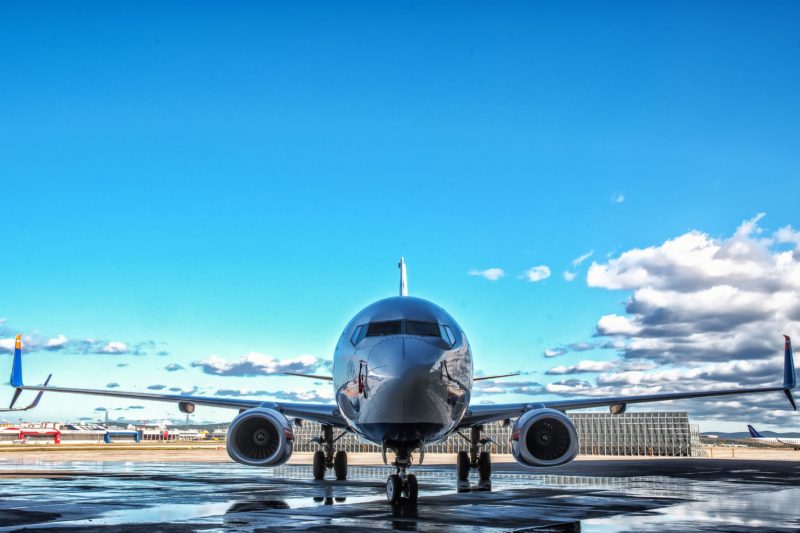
x=402, y=487
x=477, y=458
x=326, y=458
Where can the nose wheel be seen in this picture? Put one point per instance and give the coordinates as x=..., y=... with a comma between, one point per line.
x=402, y=487
x=402, y=490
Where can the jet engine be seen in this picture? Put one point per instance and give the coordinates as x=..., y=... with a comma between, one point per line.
x=544, y=437
x=260, y=437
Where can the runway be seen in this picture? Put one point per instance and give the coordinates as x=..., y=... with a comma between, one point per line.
x=589, y=495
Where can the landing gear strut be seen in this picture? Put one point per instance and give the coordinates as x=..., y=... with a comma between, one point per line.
x=326, y=458
x=402, y=486
x=478, y=458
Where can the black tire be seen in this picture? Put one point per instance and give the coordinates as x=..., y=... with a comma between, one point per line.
x=485, y=466
x=394, y=489
x=462, y=465
x=319, y=464
x=340, y=465
x=411, y=489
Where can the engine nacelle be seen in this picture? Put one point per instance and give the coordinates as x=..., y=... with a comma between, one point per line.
x=260, y=437
x=544, y=437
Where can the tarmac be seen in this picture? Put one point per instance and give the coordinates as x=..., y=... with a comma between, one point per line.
x=55, y=493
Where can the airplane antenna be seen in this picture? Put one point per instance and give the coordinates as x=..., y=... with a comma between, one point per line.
x=403, y=280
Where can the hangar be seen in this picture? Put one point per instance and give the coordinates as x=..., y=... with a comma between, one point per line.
x=664, y=434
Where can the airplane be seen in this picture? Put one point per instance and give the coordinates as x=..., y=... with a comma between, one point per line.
x=402, y=378
x=785, y=441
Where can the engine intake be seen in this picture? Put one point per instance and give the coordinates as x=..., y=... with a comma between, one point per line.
x=544, y=437
x=260, y=437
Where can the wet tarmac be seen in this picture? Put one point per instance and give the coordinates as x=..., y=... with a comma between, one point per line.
x=635, y=495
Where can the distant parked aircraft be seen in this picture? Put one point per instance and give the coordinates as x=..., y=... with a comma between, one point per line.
x=402, y=378
x=784, y=441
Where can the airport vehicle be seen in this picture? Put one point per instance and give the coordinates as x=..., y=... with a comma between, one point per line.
x=402, y=378
x=791, y=442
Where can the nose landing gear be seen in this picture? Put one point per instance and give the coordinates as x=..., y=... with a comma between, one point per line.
x=402, y=487
x=326, y=458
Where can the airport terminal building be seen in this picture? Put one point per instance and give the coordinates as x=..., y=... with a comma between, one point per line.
x=666, y=434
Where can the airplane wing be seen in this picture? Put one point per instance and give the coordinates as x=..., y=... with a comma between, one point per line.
x=482, y=414
x=310, y=376
x=323, y=413
x=482, y=378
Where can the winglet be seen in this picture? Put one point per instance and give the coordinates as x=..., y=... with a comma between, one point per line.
x=39, y=396
x=16, y=365
x=789, y=373
x=754, y=432
x=33, y=404
x=403, y=279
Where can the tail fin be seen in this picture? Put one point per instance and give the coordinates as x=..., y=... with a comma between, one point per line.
x=16, y=365
x=754, y=432
x=16, y=370
x=789, y=373
x=403, y=279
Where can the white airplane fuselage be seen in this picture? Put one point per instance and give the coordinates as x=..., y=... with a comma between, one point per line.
x=791, y=441
x=402, y=373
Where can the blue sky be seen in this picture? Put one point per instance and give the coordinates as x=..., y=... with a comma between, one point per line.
x=208, y=178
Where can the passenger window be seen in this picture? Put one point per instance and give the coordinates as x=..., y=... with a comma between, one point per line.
x=427, y=329
x=378, y=329
x=356, y=335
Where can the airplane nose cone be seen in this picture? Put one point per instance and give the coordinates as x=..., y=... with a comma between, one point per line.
x=397, y=356
x=412, y=384
x=417, y=352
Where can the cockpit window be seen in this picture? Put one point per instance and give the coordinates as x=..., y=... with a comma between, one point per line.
x=396, y=327
x=378, y=329
x=356, y=335
x=426, y=329
x=447, y=334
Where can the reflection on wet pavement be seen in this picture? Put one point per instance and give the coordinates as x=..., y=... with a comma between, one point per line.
x=697, y=495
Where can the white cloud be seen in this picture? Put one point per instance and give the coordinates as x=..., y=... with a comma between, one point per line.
x=787, y=234
x=537, y=273
x=617, y=325
x=7, y=345
x=578, y=260
x=492, y=274
x=554, y=352
x=749, y=227
x=569, y=276
x=258, y=364
x=583, y=366
x=296, y=395
x=114, y=347
x=618, y=198
x=504, y=386
x=55, y=342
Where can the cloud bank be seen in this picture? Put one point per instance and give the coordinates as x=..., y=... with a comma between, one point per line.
x=259, y=364
x=703, y=313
